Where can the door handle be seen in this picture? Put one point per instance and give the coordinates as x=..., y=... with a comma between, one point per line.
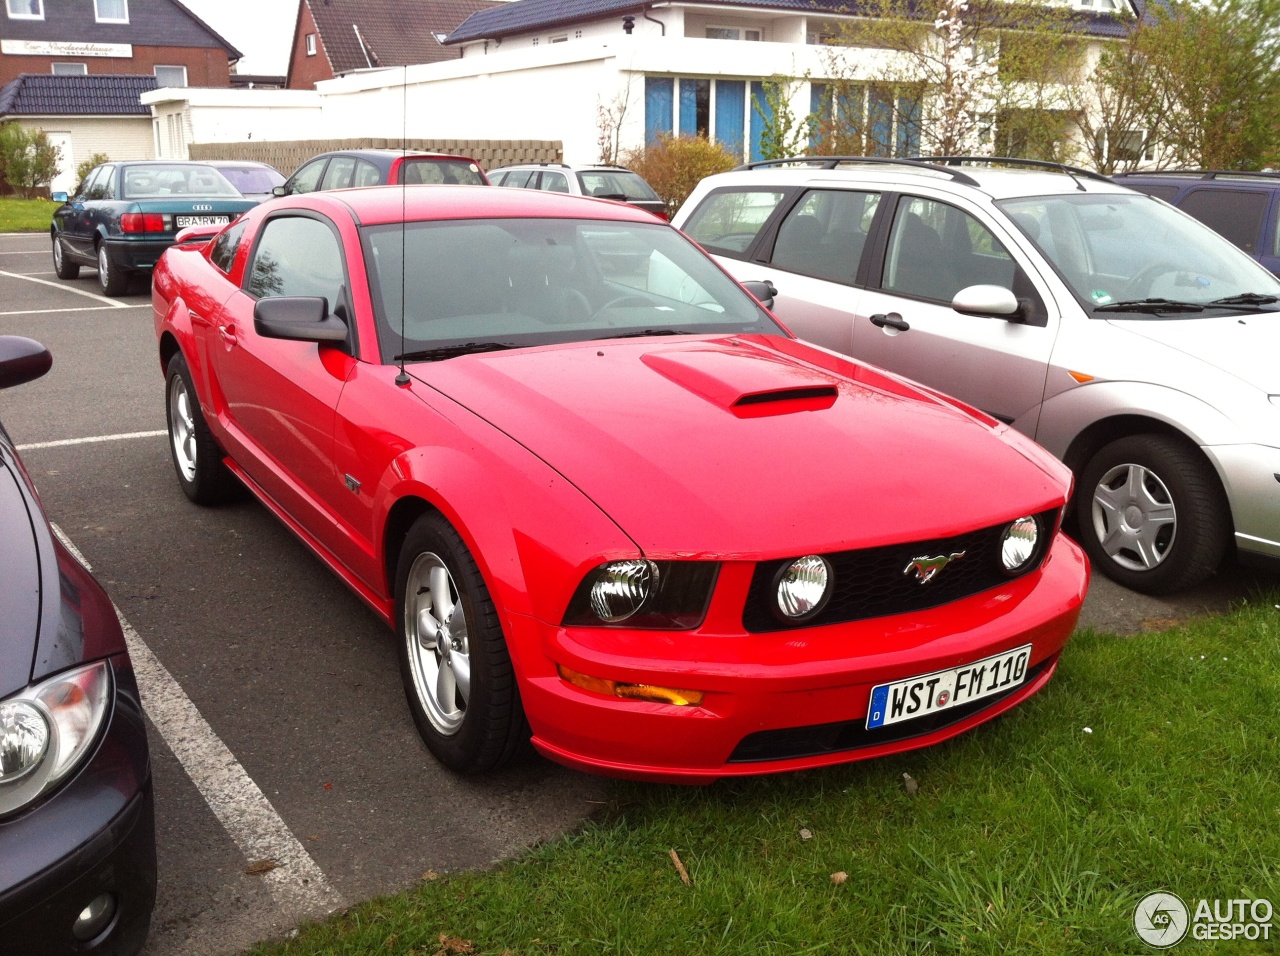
x=892, y=320
x=228, y=333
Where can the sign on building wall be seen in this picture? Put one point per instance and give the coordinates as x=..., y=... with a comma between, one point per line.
x=64, y=48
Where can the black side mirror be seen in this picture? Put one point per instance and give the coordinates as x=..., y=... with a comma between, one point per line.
x=280, y=190
x=22, y=360
x=763, y=290
x=300, y=318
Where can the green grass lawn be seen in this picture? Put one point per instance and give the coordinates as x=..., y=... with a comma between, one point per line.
x=1149, y=763
x=26, y=215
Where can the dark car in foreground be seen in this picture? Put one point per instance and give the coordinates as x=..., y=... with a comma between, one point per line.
x=125, y=214
x=1243, y=207
x=355, y=168
x=605, y=501
x=77, y=831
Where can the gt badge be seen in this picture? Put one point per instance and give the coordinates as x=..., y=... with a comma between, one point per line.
x=926, y=568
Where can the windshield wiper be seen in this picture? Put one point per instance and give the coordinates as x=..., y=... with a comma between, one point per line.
x=1150, y=305
x=644, y=332
x=1246, y=298
x=451, y=351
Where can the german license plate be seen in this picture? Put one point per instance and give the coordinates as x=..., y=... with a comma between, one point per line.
x=184, y=221
x=942, y=690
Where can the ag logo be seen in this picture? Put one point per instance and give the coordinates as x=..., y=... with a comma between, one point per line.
x=203, y=207
x=1160, y=920
x=925, y=567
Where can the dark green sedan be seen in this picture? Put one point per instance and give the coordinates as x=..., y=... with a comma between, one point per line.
x=124, y=215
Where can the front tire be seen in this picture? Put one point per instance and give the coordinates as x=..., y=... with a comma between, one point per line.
x=112, y=280
x=196, y=456
x=1152, y=514
x=454, y=663
x=64, y=267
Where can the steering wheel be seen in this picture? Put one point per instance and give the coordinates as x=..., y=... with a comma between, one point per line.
x=623, y=301
x=1140, y=285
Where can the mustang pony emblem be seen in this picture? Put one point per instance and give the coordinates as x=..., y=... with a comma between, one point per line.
x=926, y=568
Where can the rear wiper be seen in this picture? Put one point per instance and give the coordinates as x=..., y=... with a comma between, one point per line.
x=451, y=351
x=644, y=332
x=1246, y=298
x=1150, y=305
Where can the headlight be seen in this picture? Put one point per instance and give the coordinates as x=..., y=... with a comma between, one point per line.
x=802, y=587
x=1020, y=544
x=664, y=595
x=46, y=730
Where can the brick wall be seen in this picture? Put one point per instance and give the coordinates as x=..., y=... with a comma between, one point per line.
x=288, y=156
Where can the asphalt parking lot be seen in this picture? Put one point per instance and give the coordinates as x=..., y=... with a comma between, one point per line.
x=279, y=730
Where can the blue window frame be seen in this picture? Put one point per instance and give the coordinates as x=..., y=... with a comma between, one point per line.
x=658, y=99
x=731, y=111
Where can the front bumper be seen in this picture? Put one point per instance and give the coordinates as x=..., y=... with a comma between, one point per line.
x=785, y=700
x=1251, y=476
x=133, y=255
x=94, y=835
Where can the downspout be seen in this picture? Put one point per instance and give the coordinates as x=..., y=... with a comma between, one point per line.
x=645, y=12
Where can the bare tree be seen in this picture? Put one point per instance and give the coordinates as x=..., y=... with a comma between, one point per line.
x=609, y=121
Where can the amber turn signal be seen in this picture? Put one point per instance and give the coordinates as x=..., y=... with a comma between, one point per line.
x=650, y=692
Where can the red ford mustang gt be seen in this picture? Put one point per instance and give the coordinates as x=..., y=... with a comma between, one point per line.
x=607, y=502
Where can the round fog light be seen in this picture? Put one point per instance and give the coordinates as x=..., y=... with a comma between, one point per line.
x=803, y=586
x=94, y=918
x=1020, y=540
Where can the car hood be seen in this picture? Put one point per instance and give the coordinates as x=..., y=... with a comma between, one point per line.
x=19, y=582
x=750, y=446
x=1241, y=345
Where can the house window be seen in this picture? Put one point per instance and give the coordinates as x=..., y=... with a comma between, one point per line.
x=111, y=11
x=311, y=44
x=69, y=69
x=732, y=33
x=559, y=38
x=692, y=106
x=169, y=76
x=26, y=9
x=1130, y=145
x=863, y=119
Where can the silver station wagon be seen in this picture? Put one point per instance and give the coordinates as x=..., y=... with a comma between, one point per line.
x=1130, y=340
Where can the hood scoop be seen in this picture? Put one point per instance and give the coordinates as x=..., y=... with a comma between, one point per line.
x=745, y=381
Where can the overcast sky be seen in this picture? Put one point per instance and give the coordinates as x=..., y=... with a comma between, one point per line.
x=260, y=29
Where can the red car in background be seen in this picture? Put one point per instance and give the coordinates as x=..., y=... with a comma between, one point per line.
x=355, y=168
x=606, y=502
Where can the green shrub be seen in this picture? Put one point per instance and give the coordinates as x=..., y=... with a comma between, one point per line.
x=88, y=166
x=27, y=159
x=673, y=165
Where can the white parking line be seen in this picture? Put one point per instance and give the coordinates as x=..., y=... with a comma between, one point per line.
x=84, y=308
x=297, y=883
x=63, y=442
x=64, y=286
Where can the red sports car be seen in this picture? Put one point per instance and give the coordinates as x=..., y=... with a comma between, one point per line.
x=606, y=501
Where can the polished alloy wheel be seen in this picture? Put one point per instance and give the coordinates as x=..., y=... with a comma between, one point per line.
x=182, y=428
x=104, y=267
x=435, y=628
x=1134, y=517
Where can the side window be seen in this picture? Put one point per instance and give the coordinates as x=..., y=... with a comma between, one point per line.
x=1234, y=213
x=86, y=187
x=108, y=185
x=727, y=222
x=824, y=234
x=935, y=250
x=554, y=182
x=296, y=256
x=338, y=175
x=366, y=174
x=307, y=178
x=223, y=253
x=518, y=178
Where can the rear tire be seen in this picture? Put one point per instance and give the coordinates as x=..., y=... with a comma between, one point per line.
x=64, y=267
x=113, y=280
x=196, y=456
x=1152, y=514
x=454, y=664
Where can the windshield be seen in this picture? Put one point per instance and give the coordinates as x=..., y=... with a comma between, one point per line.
x=461, y=172
x=178, y=179
x=468, y=284
x=616, y=183
x=252, y=179
x=1117, y=250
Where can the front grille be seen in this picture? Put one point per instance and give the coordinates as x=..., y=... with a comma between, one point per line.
x=871, y=583
x=817, y=739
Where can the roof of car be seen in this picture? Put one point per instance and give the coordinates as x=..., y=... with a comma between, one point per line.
x=999, y=183
x=378, y=205
x=393, y=154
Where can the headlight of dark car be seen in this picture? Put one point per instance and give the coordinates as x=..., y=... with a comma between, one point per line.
x=659, y=595
x=48, y=729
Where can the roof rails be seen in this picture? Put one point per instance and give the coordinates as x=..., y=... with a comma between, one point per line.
x=1204, y=173
x=1017, y=161
x=832, y=162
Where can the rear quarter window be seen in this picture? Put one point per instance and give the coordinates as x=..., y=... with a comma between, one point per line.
x=1236, y=214
x=728, y=221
